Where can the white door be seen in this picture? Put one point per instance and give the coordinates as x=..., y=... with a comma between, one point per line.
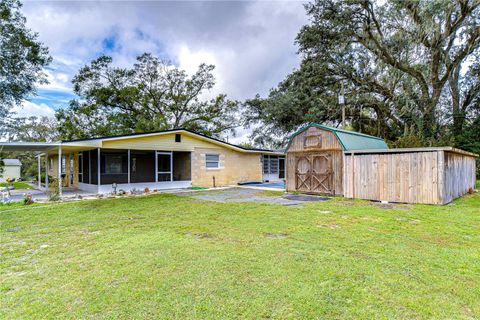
x=270, y=168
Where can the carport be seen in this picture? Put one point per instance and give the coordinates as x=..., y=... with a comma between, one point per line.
x=41, y=149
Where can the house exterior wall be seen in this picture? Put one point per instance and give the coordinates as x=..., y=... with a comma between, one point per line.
x=10, y=172
x=53, y=169
x=160, y=143
x=53, y=166
x=234, y=167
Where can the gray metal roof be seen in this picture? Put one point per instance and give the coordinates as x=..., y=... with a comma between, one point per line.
x=11, y=162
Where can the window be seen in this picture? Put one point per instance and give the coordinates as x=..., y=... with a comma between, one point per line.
x=113, y=164
x=212, y=160
x=64, y=165
x=178, y=137
x=313, y=141
x=266, y=164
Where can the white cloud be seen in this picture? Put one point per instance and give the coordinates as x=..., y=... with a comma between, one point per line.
x=57, y=81
x=189, y=61
x=250, y=43
x=28, y=109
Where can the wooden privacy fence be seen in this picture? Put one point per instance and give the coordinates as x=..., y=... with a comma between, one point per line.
x=416, y=175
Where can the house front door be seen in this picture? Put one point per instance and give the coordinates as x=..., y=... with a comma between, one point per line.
x=164, y=166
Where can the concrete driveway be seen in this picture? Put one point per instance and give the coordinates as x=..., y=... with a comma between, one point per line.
x=240, y=195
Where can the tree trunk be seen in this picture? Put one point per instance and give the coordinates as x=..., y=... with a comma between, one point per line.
x=457, y=113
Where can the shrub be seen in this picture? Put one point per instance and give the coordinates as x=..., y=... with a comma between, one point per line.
x=53, y=192
x=28, y=199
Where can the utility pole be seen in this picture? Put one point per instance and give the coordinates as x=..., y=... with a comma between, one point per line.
x=341, y=101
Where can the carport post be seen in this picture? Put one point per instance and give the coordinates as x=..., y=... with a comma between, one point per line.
x=128, y=159
x=39, y=173
x=60, y=171
x=46, y=171
x=98, y=170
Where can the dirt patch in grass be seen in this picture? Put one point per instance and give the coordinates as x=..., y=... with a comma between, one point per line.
x=346, y=202
x=276, y=235
x=330, y=226
x=87, y=232
x=128, y=219
x=324, y=211
x=199, y=235
x=411, y=221
x=396, y=206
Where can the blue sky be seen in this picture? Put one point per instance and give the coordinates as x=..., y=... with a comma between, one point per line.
x=251, y=43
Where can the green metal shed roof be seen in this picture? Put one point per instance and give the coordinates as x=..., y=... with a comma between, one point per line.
x=350, y=140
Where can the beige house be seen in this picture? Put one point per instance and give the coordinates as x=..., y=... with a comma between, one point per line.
x=157, y=160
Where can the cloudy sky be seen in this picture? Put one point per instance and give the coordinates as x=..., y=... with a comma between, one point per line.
x=250, y=43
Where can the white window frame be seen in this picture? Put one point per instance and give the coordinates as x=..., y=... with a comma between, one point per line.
x=218, y=161
x=170, y=153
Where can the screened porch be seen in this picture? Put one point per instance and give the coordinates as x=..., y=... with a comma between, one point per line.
x=129, y=169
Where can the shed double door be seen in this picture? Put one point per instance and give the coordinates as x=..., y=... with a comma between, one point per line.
x=313, y=173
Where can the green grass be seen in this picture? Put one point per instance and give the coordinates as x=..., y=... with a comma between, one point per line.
x=165, y=256
x=18, y=185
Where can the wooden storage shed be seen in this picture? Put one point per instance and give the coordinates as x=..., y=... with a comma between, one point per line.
x=315, y=157
x=413, y=175
x=332, y=161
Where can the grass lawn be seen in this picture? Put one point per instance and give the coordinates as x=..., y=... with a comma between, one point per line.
x=166, y=256
x=18, y=185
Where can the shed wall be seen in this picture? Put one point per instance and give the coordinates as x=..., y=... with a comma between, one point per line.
x=459, y=175
x=12, y=172
x=329, y=145
x=329, y=140
x=433, y=177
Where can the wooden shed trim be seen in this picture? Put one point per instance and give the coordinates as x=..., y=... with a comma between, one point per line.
x=409, y=150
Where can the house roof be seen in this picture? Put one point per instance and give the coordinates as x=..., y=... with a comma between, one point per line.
x=97, y=142
x=350, y=140
x=11, y=162
x=161, y=132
